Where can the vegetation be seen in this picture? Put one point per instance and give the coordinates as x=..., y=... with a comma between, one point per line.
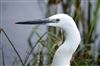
x=84, y=54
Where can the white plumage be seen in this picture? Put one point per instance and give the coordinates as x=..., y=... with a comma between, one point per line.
x=64, y=53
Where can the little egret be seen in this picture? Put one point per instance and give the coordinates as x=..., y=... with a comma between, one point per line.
x=64, y=53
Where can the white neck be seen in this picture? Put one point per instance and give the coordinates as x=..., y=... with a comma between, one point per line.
x=64, y=53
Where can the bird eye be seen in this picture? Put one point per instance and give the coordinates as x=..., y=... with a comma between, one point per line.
x=57, y=20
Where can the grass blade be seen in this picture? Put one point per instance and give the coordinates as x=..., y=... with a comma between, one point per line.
x=13, y=46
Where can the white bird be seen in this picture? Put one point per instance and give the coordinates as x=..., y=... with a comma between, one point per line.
x=64, y=53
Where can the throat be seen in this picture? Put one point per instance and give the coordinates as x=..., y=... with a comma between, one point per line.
x=72, y=37
x=64, y=53
x=62, y=56
x=71, y=43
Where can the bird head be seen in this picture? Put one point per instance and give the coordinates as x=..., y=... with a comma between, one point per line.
x=62, y=21
x=58, y=20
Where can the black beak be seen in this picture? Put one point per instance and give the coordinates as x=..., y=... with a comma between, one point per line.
x=43, y=21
